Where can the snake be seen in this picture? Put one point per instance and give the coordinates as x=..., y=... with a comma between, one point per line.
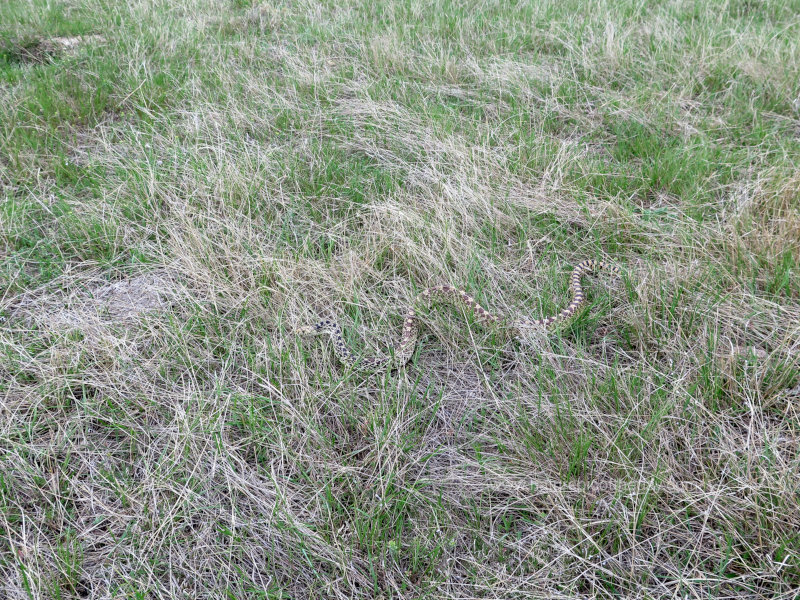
x=404, y=349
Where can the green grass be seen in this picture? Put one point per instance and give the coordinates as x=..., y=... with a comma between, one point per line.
x=188, y=182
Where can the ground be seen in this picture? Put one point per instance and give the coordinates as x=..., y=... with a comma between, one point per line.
x=182, y=184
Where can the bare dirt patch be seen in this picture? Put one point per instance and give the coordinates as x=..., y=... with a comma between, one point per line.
x=121, y=302
x=42, y=50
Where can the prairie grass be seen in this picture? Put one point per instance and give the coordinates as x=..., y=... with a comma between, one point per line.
x=184, y=183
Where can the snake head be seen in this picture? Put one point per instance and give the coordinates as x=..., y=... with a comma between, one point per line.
x=306, y=331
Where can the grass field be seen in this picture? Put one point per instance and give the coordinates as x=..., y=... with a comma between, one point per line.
x=184, y=183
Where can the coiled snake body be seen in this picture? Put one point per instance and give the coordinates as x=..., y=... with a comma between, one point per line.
x=405, y=348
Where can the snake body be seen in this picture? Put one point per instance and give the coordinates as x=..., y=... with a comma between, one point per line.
x=447, y=294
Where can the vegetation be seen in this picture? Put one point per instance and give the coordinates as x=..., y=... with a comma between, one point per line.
x=183, y=183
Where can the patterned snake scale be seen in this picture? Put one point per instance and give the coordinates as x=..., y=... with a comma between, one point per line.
x=447, y=294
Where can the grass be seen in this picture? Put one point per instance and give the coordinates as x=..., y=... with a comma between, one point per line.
x=191, y=181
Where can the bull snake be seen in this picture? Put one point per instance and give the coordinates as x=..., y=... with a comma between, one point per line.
x=405, y=348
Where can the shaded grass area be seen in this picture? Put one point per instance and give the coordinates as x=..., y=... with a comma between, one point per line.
x=190, y=181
